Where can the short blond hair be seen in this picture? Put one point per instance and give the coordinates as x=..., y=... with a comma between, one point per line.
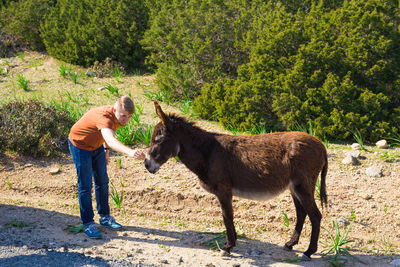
x=126, y=104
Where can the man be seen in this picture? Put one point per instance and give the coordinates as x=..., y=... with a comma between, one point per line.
x=89, y=140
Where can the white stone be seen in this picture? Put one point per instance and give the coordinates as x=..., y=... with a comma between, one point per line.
x=374, y=171
x=54, y=170
x=101, y=88
x=355, y=146
x=354, y=153
x=381, y=144
x=350, y=160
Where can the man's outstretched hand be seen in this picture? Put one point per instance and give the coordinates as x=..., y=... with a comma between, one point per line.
x=137, y=154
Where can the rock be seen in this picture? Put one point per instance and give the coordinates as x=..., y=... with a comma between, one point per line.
x=343, y=220
x=381, y=144
x=54, y=170
x=355, y=146
x=101, y=88
x=164, y=261
x=28, y=165
x=366, y=196
x=5, y=70
x=374, y=171
x=180, y=260
x=89, y=73
x=350, y=160
x=354, y=153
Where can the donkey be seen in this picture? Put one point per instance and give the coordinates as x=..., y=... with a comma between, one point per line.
x=256, y=167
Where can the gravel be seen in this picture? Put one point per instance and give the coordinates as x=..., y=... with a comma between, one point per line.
x=23, y=256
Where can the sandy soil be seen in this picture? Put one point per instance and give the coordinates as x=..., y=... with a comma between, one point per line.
x=168, y=217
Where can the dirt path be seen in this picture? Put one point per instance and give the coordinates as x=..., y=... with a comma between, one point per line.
x=168, y=218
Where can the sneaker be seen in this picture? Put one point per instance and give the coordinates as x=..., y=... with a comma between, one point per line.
x=109, y=222
x=91, y=231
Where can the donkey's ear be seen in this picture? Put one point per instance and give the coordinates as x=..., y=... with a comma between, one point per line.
x=164, y=118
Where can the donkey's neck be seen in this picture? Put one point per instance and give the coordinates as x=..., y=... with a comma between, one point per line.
x=195, y=148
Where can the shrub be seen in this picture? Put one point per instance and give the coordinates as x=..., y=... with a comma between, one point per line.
x=22, y=19
x=84, y=31
x=107, y=68
x=31, y=128
x=337, y=68
x=194, y=42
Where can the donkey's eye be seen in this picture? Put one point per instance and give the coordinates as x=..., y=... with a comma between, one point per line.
x=158, y=139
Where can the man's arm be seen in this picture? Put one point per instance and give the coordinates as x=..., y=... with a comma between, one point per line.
x=113, y=143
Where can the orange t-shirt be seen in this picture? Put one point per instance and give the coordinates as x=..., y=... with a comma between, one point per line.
x=86, y=134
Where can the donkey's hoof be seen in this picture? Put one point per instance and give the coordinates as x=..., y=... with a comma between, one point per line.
x=305, y=258
x=287, y=248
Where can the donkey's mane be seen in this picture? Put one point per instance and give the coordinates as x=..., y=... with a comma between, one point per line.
x=191, y=128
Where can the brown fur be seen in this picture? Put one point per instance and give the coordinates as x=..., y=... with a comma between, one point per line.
x=250, y=166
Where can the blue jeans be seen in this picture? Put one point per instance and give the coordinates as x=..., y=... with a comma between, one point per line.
x=90, y=164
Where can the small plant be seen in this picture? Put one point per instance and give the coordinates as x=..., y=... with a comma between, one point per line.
x=116, y=73
x=217, y=242
x=326, y=143
x=18, y=224
x=23, y=83
x=20, y=56
x=258, y=129
x=112, y=89
x=186, y=107
x=119, y=162
x=74, y=77
x=310, y=129
x=337, y=246
x=62, y=70
x=318, y=190
x=75, y=228
x=117, y=197
x=353, y=215
x=395, y=140
x=357, y=136
x=285, y=219
x=388, y=157
x=77, y=99
x=9, y=184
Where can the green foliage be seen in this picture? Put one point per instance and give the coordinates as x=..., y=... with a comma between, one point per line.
x=22, y=82
x=117, y=197
x=334, y=66
x=337, y=246
x=78, y=228
x=31, y=128
x=193, y=42
x=22, y=19
x=84, y=31
x=18, y=224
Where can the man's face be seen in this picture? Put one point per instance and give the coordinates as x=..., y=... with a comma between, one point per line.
x=122, y=116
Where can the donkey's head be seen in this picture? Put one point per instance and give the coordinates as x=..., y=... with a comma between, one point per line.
x=164, y=144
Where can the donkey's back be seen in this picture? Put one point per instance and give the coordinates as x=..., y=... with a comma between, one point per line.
x=261, y=166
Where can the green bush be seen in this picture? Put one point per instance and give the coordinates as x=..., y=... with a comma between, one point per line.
x=31, y=128
x=337, y=68
x=195, y=42
x=84, y=31
x=22, y=19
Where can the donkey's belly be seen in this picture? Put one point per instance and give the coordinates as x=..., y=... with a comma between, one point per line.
x=257, y=195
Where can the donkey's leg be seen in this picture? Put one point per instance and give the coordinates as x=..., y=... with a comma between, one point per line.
x=306, y=198
x=301, y=216
x=225, y=199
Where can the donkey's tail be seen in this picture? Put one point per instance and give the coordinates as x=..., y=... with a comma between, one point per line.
x=323, y=196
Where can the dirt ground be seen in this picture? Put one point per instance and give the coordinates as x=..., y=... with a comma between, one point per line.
x=168, y=218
